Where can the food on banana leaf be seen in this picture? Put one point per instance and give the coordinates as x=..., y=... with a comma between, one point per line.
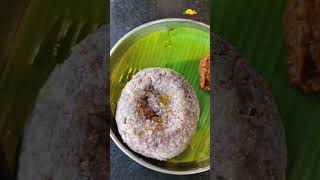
x=248, y=138
x=65, y=136
x=157, y=113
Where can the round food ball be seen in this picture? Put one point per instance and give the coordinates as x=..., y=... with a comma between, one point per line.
x=248, y=138
x=65, y=135
x=157, y=113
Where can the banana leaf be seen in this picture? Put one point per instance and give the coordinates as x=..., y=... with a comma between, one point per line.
x=255, y=27
x=36, y=36
x=179, y=49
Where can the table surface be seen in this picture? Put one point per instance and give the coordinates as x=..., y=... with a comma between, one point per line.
x=126, y=15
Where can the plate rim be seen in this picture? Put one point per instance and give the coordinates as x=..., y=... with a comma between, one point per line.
x=113, y=136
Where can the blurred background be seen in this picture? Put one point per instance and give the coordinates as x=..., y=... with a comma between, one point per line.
x=35, y=35
x=256, y=29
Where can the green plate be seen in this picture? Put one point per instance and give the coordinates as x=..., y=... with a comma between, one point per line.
x=172, y=43
x=255, y=27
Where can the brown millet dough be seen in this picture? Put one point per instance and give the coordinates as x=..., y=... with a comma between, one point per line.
x=247, y=136
x=157, y=113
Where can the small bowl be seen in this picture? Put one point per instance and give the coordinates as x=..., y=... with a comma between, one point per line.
x=116, y=52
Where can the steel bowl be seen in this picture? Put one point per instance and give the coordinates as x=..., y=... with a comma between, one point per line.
x=115, y=54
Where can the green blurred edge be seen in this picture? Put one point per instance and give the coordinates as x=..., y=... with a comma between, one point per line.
x=255, y=27
x=40, y=39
